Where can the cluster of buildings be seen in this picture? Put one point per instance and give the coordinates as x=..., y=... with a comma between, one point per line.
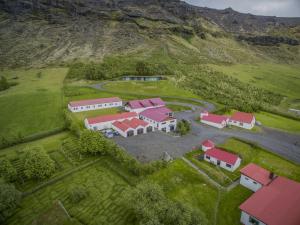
x=141, y=116
x=239, y=119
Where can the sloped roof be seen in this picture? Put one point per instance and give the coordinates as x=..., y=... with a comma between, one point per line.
x=275, y=204
x=222, y=155
x=214, y=118
x=137, y=104
x=242, y=117
x=257, y=173
x=94, y=101
x=130, y=124
x=208, y=143
x=107, y=118
x=157, y=114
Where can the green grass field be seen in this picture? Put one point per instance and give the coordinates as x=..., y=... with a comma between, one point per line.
x=184, y=184
x=102, y=206
x=34, y=105
x=177, y=108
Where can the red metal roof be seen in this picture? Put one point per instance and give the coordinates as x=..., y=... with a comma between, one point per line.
x=94, y=101
x=137, y=104
x=208, y=143
x=222, y=155
x=275, y=204
x=107, y=118
x=130, y=124
x=242, y=117
x=214, y=118
x=257, y=173
x=122, y=126
x=157, y=114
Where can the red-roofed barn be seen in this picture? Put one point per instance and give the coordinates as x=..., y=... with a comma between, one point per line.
x=254, y=177
x=242, y=119
x=132, y=127
x=94, y=104
x=141, y=105
x=214, y=120
x=224, y=159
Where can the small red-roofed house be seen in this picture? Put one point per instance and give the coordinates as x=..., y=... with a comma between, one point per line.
x=132, y=127
x=255, y=177
x=274, y=204
x=224, y=159
x=214, y=120
x=94, y=104
x=207, y=144
x=243, y=120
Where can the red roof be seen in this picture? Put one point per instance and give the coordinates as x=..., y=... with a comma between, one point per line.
x=157, y=114
x=208, y=143
x=130, y=124
x=107, y=118
x=222, y=155
x=137, y=104
x=214, y=118
x=242, y=117
x=275, y=204
x=94, y=101
x=257, y=173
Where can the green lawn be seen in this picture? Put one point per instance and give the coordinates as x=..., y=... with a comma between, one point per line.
x=102, y=206
x=229, y=213
x=177, y=108
x=34, y=105
x=278, y=122
x=184, y=184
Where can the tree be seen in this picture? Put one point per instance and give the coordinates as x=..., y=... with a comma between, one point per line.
x=7, y=171
x=92, y=142
x=3, y=84
x=183, y=127
x=37, y=163
x=9, y=199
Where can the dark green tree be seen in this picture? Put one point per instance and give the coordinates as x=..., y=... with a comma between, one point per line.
x=7, y=171
x=9, y=200
x=37, y=163
x=3, y=84
x=92, y=142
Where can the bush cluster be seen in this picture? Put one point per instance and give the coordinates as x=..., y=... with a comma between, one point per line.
x=183, y=127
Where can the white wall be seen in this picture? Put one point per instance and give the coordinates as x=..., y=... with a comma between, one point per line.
x=246, y=217
x=249, y=183
x=223, y=164
x=160, y=125
x=94, y=107
x=248, y=126
x=205, y=148
x=217, y=125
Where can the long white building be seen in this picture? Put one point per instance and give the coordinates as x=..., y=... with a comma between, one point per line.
x=94, y=104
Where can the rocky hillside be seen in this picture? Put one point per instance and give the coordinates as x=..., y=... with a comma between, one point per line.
x=41, y=32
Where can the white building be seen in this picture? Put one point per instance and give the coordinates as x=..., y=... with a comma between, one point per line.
x=255, y=177
x=160, y=118
x=139, y=106
x=94, y=104
x=132, y=127
x=207, y=144
x=224, y=159
x=214, y=120
x=105, y=122
x=274, y=204
x=243, y=120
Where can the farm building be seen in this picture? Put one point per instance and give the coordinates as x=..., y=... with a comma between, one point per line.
x=132, y=127
x=142, y=78
x=105, y=122
x=94, y=104
x=242, y=119
x=207, y=144
x=140, y=105
x=214, y=120
x=274, y=204
x=222, y=158
x=254, y=177
x=160, y=118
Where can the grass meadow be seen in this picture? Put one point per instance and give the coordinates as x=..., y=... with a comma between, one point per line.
x=34, y=105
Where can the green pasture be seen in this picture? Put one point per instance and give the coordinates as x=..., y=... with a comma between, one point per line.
x=177, y=108
x=34, y=105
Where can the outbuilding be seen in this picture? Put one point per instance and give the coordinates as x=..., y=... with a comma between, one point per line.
x=132, y=127
x=139, y=106
x=224, y=159
x=207, y=144
x=105, y=122
x=255, y=177
x=94, y=104
x=214, y=120
x=160, y=118
x=243, y=120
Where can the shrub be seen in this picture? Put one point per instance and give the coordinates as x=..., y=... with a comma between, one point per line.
x=77, y=194
x=183, y=127
x=92, y=142
x=37, y=163
x=3, y=84
x=9, y=199
x=7, y=171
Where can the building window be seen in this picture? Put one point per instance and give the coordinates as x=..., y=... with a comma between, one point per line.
x=228, y=165
x=163, y=123
x=246, y=178
x=208, y=157
x=254, y=182
x=253, y=221
x=241, y=124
